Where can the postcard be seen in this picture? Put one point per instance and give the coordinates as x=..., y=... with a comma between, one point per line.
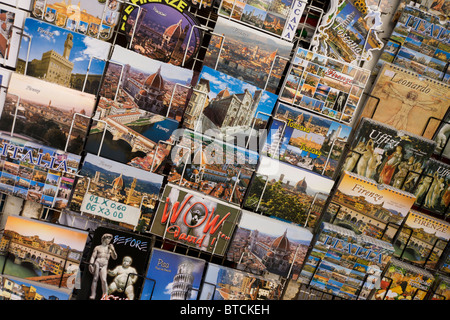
x=12, y=21
x=211, y=166
x=164, y=31
x=420, y=44
x=12, y=288
x=35, y=172
x=324, y=85
x=403, y=281
x=134, y=80
x=346, y=34
x=388, y=155
x=407, y=101
x=366, y=207
x=222, y=283
x=95, y=18
x=422, y=239
x=115, y=265
x=262, y=244
x=432, y=189
x=61, y=56
x=306, y=140
x=280, y=18
x=248, y=54
x=47, y=113
x=172, y=276
x=344, y=263
x=43, y=252
x=189, y=218
x=115, y=191
x=287, y=192
x=221, y=105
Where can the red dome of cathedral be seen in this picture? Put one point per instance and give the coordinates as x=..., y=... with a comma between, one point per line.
x=223, y=94
x=173, y=30
x=118, y=182
x=155, y=81
x=281, y=243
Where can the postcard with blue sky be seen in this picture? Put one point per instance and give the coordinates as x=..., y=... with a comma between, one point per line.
x=61, y=56
x=166, y=274
x=230, y=104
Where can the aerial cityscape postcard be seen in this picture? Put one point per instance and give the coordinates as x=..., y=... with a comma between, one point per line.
x=132, y=192
x=222, y=283
x=247, y=53
x=262, y=245
x=162, y=31
x=280, y=18
x=47, y=113
x=212, y=166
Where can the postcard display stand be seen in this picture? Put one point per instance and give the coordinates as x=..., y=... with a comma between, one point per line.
x=224, y=150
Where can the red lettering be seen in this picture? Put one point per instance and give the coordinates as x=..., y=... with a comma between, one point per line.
x=211, y=224
x=174, y=212
x=333, y=74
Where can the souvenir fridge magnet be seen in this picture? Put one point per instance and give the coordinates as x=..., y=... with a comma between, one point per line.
x=163, y=32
